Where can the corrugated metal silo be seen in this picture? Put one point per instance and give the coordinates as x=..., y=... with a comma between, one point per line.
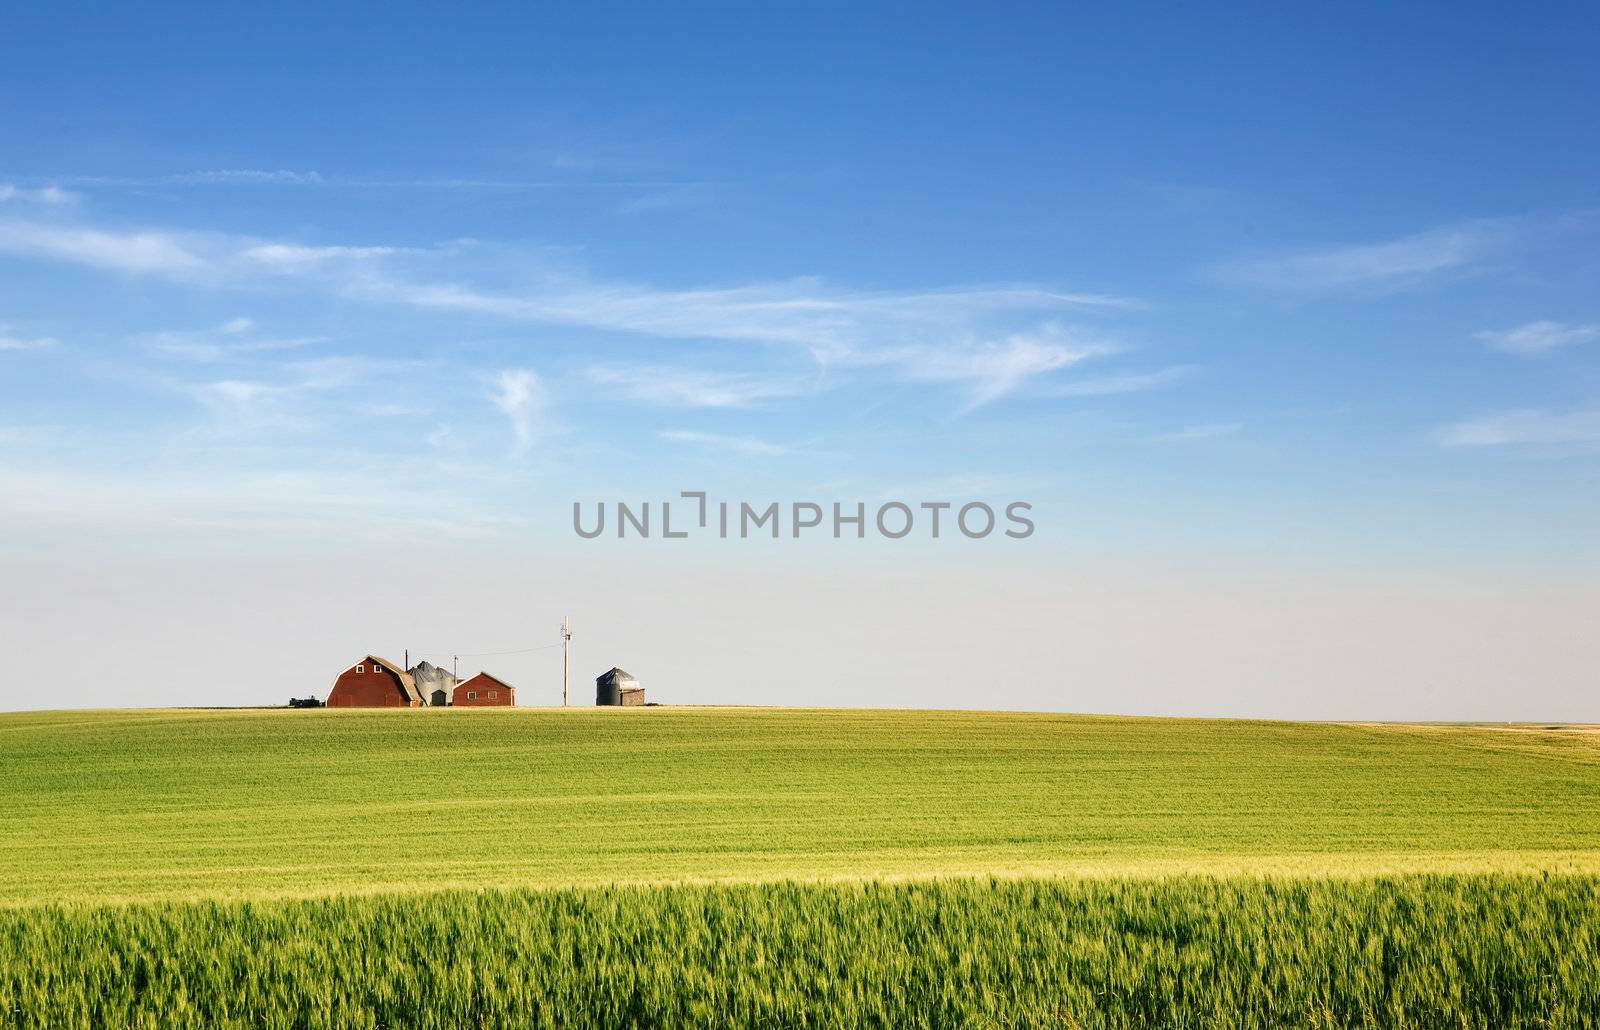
x=609, y=687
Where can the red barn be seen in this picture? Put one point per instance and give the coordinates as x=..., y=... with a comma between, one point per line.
x=374, y=682
x=483, y=691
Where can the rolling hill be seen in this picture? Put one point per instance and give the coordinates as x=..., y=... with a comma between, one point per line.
x=767, y=867
x=175, y=804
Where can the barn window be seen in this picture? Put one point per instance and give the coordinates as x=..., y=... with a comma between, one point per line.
x=493, y=694
x=361, y=668
x=377, y=668
x=472, y=695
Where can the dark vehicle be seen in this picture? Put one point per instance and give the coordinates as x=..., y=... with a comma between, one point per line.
x=304, y=702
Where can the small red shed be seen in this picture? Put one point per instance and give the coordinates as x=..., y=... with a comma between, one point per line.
x=483, y=691
x=374, y=682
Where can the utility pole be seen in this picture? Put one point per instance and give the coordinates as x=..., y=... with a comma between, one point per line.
x=566, y=655
x=453, y=669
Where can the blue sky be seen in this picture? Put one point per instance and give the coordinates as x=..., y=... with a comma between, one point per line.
x=1267, y=283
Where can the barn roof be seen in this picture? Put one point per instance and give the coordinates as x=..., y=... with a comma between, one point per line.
x=407, y=684
x=485, y=676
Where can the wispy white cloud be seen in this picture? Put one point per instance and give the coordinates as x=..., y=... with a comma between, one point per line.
x=831, y=323
x=1203, y=431
x=48, y=196
x=233, y=340
x=520, y=396
x=33, y=434
x=292, y=178
x=1101, y=386
x=281, y=176
x=361, y=495
x=190, y=257
x=26, y=343
x=284, y=393
x=996, y=368
x=290, y=258
x=208, y=177
x=955, y=486
x=668, y=198
x=1406, y=261
x=1524, y=427
x=689, y=388
x=992, y=337
x=143, y=252
x=237, y=396
x=382, y=410
x=746, y=445
x=1538, y=337
x=923, y=336
x=338, y=371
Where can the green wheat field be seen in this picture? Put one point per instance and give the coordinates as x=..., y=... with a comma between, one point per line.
x=788, y=867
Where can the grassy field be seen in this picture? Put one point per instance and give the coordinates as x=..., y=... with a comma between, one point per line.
x=462, y=867
x=186, y=804
x=1489, y=952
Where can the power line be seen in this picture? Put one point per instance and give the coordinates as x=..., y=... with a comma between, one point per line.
x=486, y=654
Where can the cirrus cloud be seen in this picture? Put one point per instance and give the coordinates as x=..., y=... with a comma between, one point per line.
x=26, y=343
x=1400, y=263
x=1538, y=337
x=520, y=396
x=990, y=338
x=1524, y=427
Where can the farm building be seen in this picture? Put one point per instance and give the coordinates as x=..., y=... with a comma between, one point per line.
x=433, y=683
x=374, y=682
x=618, y=688
x=483, y=691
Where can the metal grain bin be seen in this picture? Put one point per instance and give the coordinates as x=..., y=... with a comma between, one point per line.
x=610, y=686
